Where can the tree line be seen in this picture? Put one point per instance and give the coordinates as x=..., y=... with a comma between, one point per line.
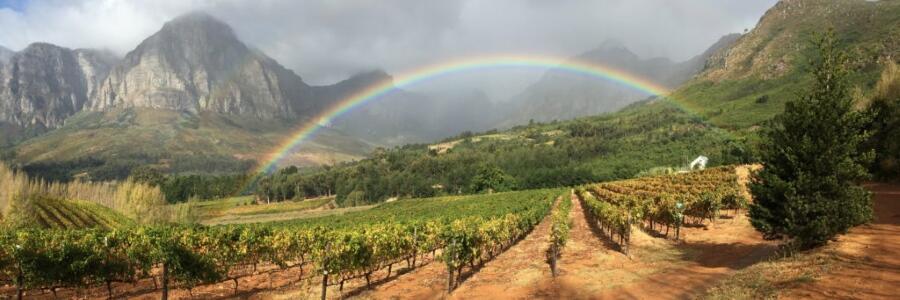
x=602, y=148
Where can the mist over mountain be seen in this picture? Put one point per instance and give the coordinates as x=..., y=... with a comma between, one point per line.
x=562, y=95
x=400, y=116
x=195, y=85
x=5, y=54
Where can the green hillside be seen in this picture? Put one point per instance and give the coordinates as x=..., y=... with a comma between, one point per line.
x=749, y=83
x=601, y=148
x=108, y=145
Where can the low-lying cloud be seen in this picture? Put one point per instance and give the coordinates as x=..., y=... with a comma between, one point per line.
x=327, y=40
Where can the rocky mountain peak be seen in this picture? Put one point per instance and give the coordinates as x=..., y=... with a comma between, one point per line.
x=43, y=84
x=5, y=54
x=367, y=78
x=193, y=42
x=610, y=51
x=196, y=63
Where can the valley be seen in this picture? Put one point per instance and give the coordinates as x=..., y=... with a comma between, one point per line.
x=450, y=150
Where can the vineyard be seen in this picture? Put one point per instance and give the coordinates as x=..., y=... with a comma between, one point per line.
x=559, y=231
x=459, y=231
x=654, y=203
x=63, y=214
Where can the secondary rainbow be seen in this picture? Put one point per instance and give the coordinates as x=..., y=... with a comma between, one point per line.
x=381, y=89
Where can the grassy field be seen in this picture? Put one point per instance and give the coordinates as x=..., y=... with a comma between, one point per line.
x=243, y=209
x=104, y=144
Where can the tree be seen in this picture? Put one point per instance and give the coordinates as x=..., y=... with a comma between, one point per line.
x=885, y=111
x=148, y=175
x=492, y=179
x=808, y=190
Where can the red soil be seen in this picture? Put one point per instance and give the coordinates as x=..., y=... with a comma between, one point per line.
x=591, y=268
x=869, y=256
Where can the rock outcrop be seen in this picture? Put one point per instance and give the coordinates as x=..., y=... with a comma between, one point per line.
x=196, y=63
x=5, y=55
x=44, y=84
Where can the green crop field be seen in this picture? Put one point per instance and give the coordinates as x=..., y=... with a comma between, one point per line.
x=465, y=227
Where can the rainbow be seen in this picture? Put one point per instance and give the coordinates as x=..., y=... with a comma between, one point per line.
x=415, y=76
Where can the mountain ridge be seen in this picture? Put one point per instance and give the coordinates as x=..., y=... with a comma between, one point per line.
x=748, y=83
x=193, y=87
x=559, y=95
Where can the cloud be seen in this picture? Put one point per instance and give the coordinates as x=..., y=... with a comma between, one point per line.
x=327, y=40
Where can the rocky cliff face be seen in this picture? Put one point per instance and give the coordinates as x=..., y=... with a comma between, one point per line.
x=5, y=55
x=44, y=84
x=196, y=63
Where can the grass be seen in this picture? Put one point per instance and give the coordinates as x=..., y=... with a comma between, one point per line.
x=244, y=209
x=766, y=279
x=209, y=143
x=288, y=216
x=280, y=207
x=217, y=208
x=773, y=59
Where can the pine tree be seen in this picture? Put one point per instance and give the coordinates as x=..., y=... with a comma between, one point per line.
x=808, y=191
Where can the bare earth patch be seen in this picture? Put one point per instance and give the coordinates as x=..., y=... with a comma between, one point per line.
x=867, y=259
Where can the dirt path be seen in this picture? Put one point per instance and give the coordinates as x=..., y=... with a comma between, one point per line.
x=517, y=273
x=704, y=256
x=868, y=256
x=589, y=264
x=514, y=274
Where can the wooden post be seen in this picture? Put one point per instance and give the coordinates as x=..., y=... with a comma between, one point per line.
x=415, y=245
x=20, y=292
x=165, y=281
x=449, y=280
x=553, y=254
x=324, y=284
x=678, y=228
x=109, y=291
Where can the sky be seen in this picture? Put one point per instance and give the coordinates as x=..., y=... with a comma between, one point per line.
x=325, y=41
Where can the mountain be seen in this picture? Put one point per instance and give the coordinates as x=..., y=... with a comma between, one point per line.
x=5, y=54
x=748, y=83
x=403, y=117
x=561, y=95
x=106, y=145
x=44, y=84
x=196, y=63
x=392, y=119
x=206, y=102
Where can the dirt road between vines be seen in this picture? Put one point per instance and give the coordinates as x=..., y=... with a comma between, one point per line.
x=592, y=267
x=513, y=274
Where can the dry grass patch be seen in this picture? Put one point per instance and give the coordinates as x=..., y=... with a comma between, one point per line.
x=764, y=280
